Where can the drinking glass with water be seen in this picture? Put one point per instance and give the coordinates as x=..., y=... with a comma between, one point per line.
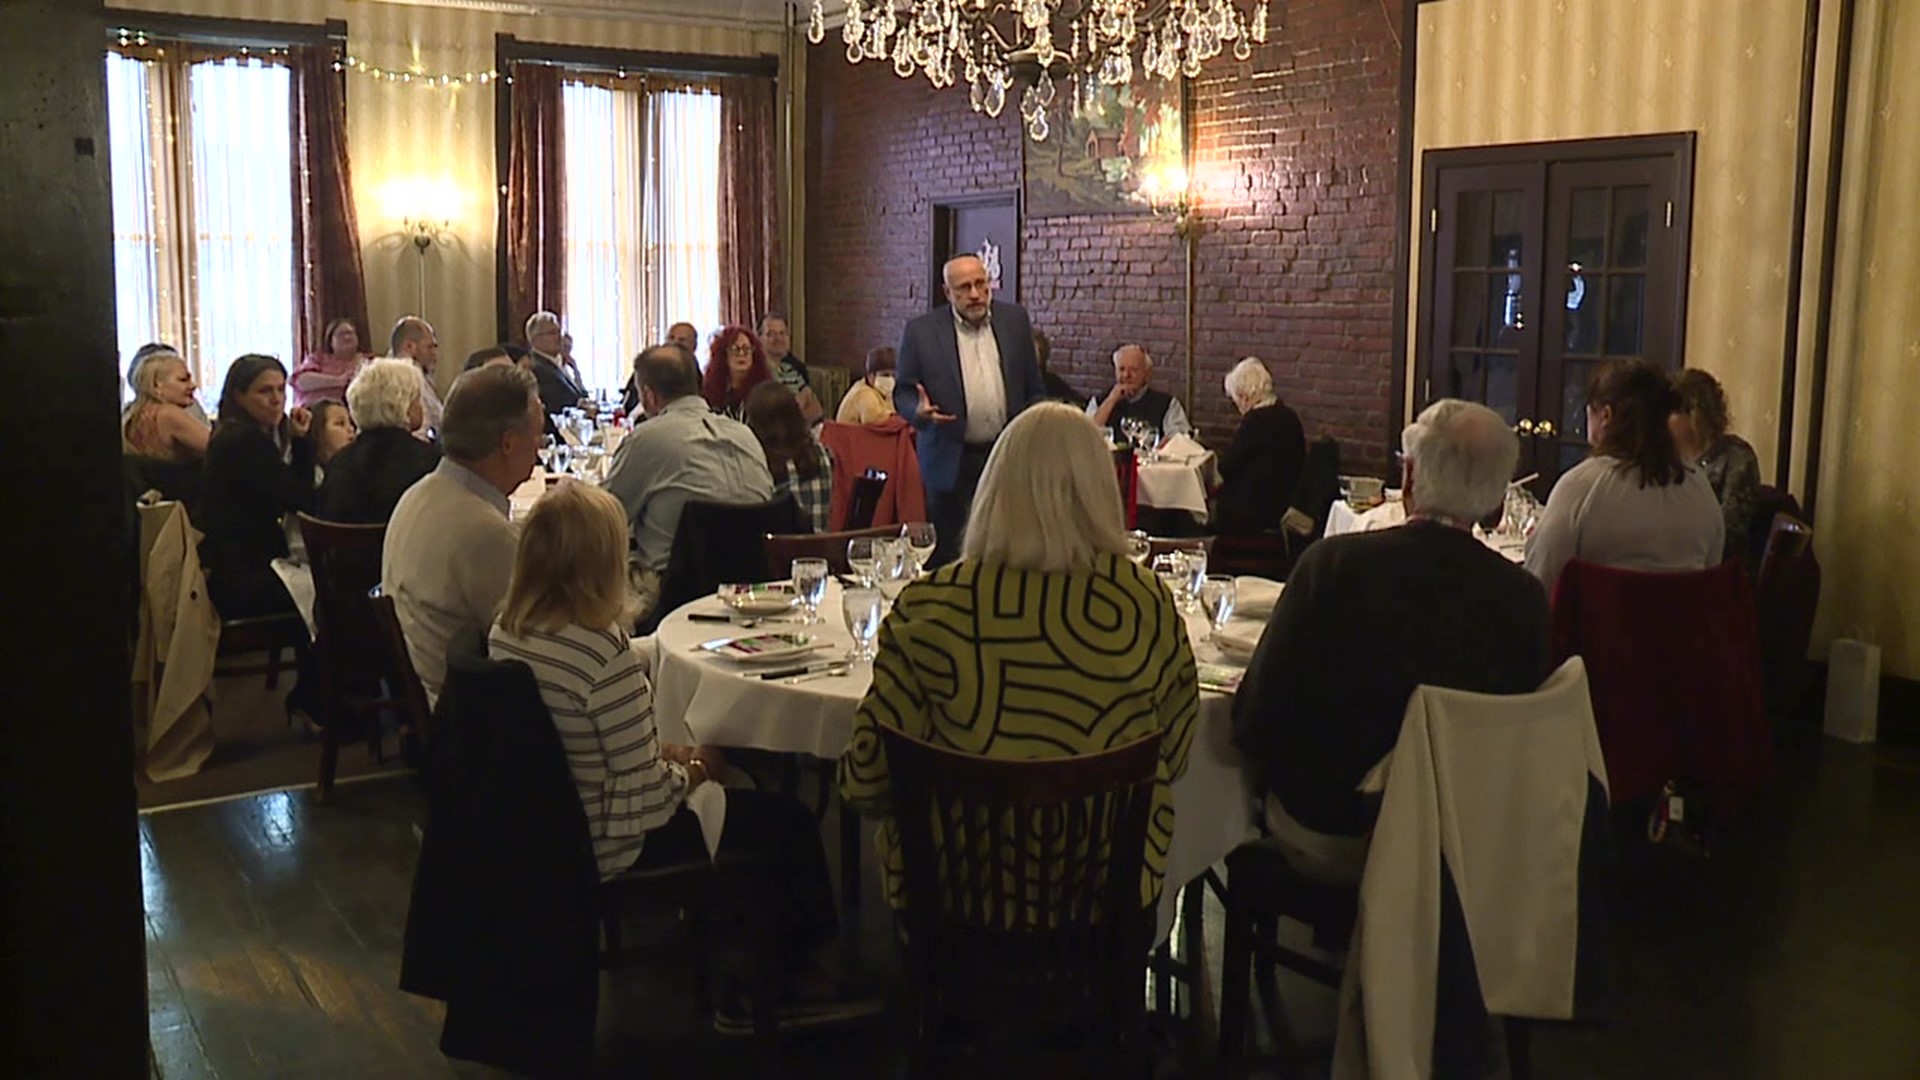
x=920, y=538
x=863, y=609
x=810, y=585
x=1219, y=594
x=861, y=557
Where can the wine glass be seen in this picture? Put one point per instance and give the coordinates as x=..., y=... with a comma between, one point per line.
x=862, y=609
x=546, y=452
x=893, y=565
x=1218, y=596
x=562, y=456
x=810, y=585
x=1171, y=568
x=861, y=557
x=1138, y=547
x=1196, y=569
x=920, y=538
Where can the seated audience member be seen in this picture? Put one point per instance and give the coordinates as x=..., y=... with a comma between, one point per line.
x=365, y=482
x=1259, y=468
x=414, y=340
x=1634, y=504
x=565, y=617
x=1367, y=617
x=800, y=466
x=259, y=469
x=325, y=374
x=140, y=356
x=559, y=389
x=449, y=549
x=1043, y=595
x=871, y=399
x=1057, y=387
x=164, y=422
x=1700, y=433
x=1132, y=398
x=492, y=354
x=684, y=451
x=331, y=432
x=682, y=334
x=735, y=365
x=776, y=344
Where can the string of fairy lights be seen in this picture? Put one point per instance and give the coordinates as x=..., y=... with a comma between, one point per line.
x=130, y=37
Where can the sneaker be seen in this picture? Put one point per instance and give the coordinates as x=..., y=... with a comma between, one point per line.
x=734, y=1015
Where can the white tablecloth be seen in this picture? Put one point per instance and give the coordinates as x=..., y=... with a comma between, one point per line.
x=706, y=700
x=1177, y=485
x=1342, y=519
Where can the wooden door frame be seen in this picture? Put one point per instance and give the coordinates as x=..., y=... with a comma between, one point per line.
x=940, y=220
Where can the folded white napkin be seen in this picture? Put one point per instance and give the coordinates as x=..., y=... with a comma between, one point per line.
x=1254, y=597
x=1181, y=448
x=709, y=803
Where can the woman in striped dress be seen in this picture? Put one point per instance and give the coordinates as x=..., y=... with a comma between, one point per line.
x=1042, y=641
x=563, y=617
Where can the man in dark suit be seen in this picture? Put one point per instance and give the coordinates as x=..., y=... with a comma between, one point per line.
x=1366, y=618
x=963, y=372
x=559, y=390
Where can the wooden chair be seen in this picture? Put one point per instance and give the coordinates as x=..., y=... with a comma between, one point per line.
x=1785, y=599
x=351, y=657
x=1262, y=889
x=783, y=548
x=1023, y=925
x=865, y=501
x=260, y=635
x=716, y=543
x=1265, y=554
x=402, y=680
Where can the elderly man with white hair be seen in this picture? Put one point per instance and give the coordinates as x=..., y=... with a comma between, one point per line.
x=1261, y=466
x=1368, y=617
x=365, y=481
x=559, y=390
x=1132, y=398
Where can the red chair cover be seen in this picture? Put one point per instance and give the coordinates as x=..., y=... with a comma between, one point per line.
x=1127, y=470
x=1674, y=663
x=886, y=445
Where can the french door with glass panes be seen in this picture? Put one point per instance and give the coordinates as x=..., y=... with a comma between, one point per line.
x=1541, y=262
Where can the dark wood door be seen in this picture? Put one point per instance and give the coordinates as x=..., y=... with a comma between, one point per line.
x=1542, y=262
x=983, y=225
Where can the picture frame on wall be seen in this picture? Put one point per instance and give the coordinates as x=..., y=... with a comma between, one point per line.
x=1097, y=154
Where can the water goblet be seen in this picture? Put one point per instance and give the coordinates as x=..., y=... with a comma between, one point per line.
x=1139, y=547
x=921, y=539
x=863, y=609
x=1218, y=596
x=810, y=585
x=1171, y=568
x=861, y=556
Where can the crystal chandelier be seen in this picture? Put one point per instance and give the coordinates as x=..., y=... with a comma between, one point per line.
x=986, y=41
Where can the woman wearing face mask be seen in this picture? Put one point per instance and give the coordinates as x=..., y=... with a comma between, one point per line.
x=871, y=399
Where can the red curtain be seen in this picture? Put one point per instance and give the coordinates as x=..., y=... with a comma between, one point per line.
x=328, y=281
x=536, y=196
x=750, y=281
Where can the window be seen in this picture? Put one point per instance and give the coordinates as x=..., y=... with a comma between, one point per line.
x=202, y=208
x=642, y=229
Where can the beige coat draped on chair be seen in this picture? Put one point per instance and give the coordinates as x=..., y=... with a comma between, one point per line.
x=179, y=638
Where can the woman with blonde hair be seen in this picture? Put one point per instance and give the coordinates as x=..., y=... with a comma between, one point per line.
x=163, y=421
x=565, y=616
x=1102, y=657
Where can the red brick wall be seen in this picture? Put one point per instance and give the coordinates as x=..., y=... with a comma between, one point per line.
x=1293, y=260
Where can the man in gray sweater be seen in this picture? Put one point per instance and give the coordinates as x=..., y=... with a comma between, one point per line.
x=449, y=550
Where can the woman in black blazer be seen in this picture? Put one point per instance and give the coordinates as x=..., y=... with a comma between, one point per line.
x=368, y=478
x=1259, y=469
x=259, y=469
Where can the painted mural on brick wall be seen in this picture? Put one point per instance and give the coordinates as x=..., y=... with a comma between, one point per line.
x=1096, y=155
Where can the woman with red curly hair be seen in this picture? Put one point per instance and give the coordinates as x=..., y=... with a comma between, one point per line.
x=735, y=365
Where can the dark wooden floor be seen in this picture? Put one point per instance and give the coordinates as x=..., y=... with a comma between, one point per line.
x=274, y=930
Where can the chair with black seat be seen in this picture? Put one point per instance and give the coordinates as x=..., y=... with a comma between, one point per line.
x=1024, y=933
x=261, y=635
x=1785, y=599
x=351, y=660
x=718, y=543
x=1769, y=502
x=783, y=548
x=865, y=501
x=509, y=921
x=1262, y=554
x=1262, y=889
x=1313, y=494
x=410, y=696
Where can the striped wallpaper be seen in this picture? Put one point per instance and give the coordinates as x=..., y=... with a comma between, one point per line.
x=418, y=150
x=1505, y=71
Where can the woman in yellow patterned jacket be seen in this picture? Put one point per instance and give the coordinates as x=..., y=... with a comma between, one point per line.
x=1042, y=641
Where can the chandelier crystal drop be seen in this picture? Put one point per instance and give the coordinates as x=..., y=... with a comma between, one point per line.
x=992, y=45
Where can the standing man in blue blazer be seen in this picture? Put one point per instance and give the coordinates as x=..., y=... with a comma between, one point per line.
x=963, y=372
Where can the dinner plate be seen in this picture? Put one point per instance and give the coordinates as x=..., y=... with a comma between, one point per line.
x=759, y=600
x=763, y=648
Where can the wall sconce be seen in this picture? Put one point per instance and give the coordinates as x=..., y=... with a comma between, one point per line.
x=424, y=232
x=1169, y=192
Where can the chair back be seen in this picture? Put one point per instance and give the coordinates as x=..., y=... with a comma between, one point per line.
x=1673, y=700
x=1319, y=483
x=1769, y=502
x=1786, y=598
x=829, y=383
x=407, y=690
x=716, y=543
x=783, y=548
x=346, y=566
x=1023, y=907
x=865, y=501
x=1126, y=469
x=1262, y=554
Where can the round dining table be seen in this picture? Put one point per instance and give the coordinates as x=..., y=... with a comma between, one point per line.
x=708, y=700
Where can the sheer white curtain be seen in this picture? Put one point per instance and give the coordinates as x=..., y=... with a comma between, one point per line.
x=606, y=271
x=136, y=290
x=243, y=213
x=683, y=209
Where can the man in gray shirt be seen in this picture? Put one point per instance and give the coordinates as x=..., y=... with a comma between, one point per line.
x=683, y=451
